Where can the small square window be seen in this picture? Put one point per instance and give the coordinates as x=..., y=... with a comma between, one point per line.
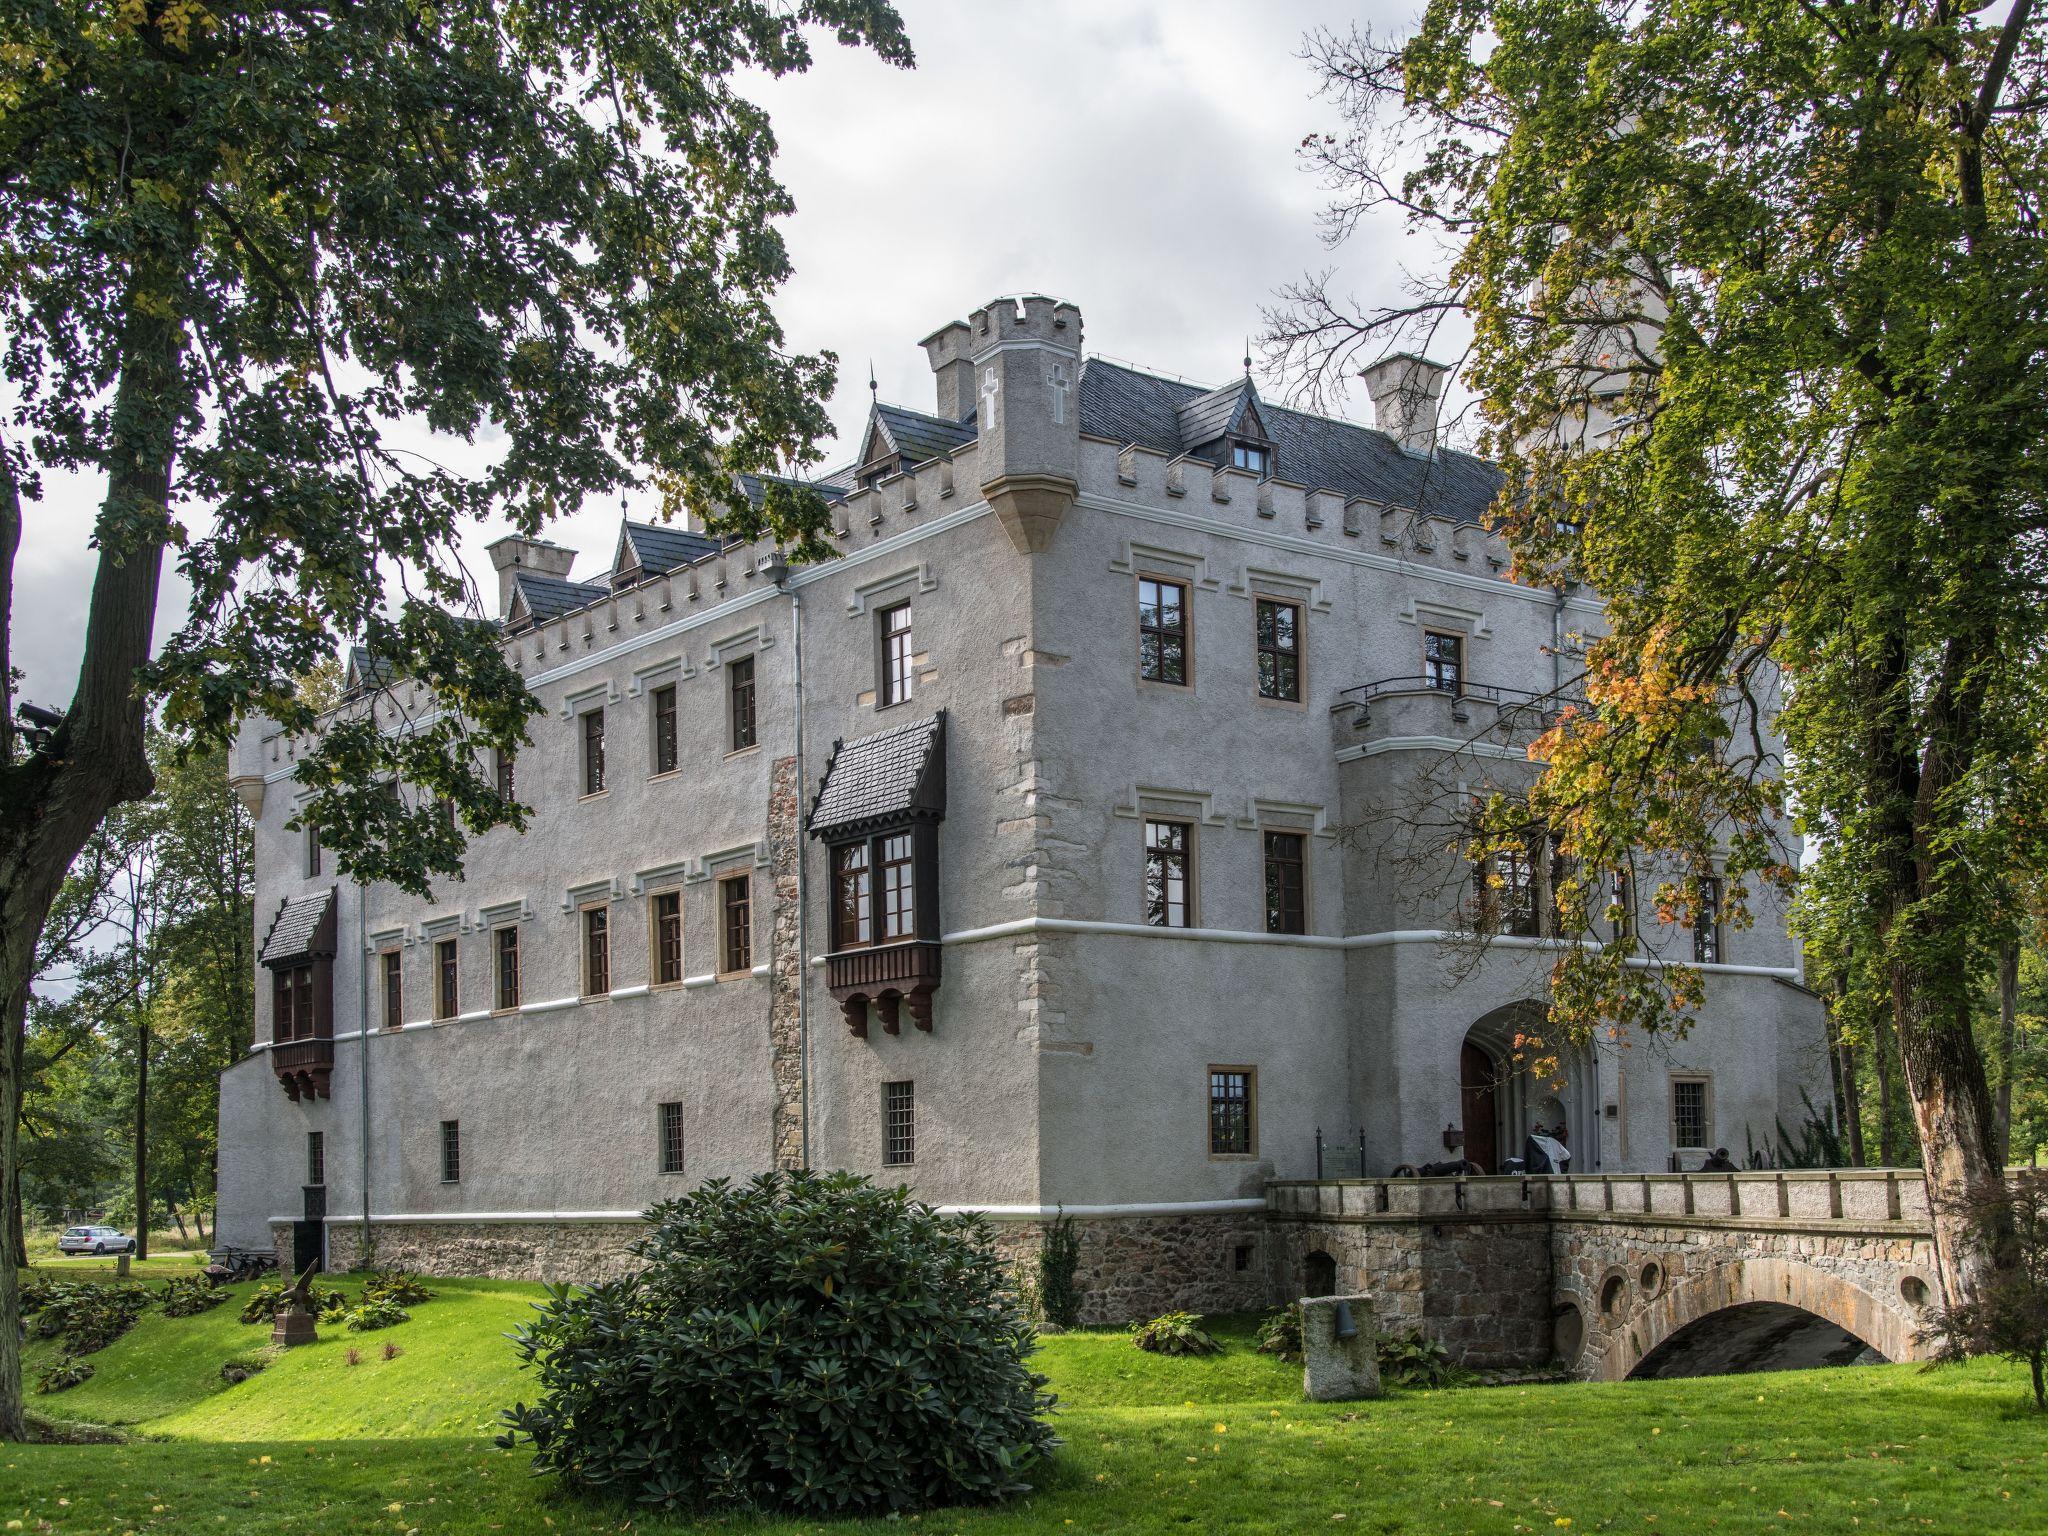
x=451, y=1151
x=1167, y=865
x=1232, y=1131
x=740, y=702
x=671, y=1138
x=507, y=946
x=736, y=907
x=1252, y=457
x=899, y=1124
x=665, y=914
x=597, y=951
x=1162, y=631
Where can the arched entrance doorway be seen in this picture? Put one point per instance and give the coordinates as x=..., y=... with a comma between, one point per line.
x=1501, y=1099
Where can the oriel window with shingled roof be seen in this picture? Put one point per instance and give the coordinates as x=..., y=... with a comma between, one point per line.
x=878, y=814
x=299, y=950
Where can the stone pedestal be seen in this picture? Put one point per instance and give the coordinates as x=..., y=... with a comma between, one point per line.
x=1334, y=1369
x=292, y=1327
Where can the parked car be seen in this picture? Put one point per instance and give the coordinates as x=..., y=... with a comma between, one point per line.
x=95, y=1240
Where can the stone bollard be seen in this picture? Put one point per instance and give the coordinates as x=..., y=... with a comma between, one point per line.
x=1334, y=1369
x=292, y=1326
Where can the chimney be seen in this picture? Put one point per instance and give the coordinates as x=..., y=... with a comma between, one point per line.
x=1407, y=392
x=515, y=553
x=947, y=348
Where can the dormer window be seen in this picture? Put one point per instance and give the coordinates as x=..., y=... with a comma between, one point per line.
x=1252, y=457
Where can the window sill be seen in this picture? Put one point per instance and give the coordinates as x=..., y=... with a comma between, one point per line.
x=746, y=975
x=594, y=997
x=594, y=795
x=666, y=986
x=1233, y=1157
x=505, y=1012
x=743, y=751
x=1269, y=702
x=1160, y=685
x=661, y=774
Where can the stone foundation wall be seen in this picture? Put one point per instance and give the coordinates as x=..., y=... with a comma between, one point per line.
x=575, y=1251
x=1132, y=1268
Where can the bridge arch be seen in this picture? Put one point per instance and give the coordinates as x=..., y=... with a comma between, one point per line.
x=1750, y=1292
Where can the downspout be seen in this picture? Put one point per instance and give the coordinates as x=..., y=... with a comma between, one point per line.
x=363, y=1042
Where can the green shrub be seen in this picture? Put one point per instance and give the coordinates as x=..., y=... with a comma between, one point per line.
x=1058, y=1260
x=1414, y=1360
x=188, y=1295
x=1280, y=1334
x=88, y=1316
x=397, y=1286
x=372, y=1313
x=1174, y=1333
x=806, y=1342
x=263, y=1302
x=68, y=1371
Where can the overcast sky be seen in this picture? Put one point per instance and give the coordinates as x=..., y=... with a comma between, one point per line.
x=1136, y=157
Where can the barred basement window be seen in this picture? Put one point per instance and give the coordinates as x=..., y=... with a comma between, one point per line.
x=1706, y=926
x=1279, y=646
x=593, y=751
x=740, y=701
x=1231, y=1131
x=451, y=1151
x=667, y=917
x=1286, y=882
x=597, y=951
x=1166, y=874
x=446, y=994
x=1443, y=661
x=1692, y=1123
x=665, y=728
x=899, y=1124
x=1162, y=631
x=316, y=1157
x=736, y=901
x=394, y=991
x=896, y=683
x=671, y=1138
x=508, y=968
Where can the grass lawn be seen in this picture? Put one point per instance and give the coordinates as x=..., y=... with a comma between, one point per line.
x=314, y=1444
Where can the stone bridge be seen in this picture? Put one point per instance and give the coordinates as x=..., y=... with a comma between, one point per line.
x=1625, y=1274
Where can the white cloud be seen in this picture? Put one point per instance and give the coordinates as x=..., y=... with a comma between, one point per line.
x=1137, y=159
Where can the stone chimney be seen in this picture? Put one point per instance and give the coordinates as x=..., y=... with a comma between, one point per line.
x=1407, y=393
x=515, y=553
x=1027, y=372
x=947, y=348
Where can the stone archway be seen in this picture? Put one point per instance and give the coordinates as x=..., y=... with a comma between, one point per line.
x=1500, y=1099
x=1756, y=1295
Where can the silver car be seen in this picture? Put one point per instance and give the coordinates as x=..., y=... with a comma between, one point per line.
x=95, y=1240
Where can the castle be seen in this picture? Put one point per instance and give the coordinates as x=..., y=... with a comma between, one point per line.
x=1058, y=846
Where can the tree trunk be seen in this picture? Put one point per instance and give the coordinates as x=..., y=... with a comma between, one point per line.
x=1887, y=1154
x=142, y=1141
x=13, y=1426
x=1852, y=1092
x=2008, y=1023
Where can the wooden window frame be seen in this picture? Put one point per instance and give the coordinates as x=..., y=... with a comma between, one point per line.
x=590, y=726
x=654, y=937
x=664, y=740
x=904, y=1102
x=312, y=850
x=895, y=906
x=391, y=963
x=1705, y=1081
x=451, y=1151
x=291, y=1004
x=499, y=951
x=594, y=949
x=742, y=705
x=1250, y=1074
x=1241, y=452
x=1268, y=865
x=447, y=981
x=1262, y=601
x=505, y=774
x=1433, y=666
x=1186, y=589
x=1709, y=939
x=859, y=883
x=1190, y=915
x=729, y=931
x=671, y=1146
x=895, y=675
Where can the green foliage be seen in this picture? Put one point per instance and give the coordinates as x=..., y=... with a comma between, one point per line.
x=1174, y=1333
x=396, y=1286
x=86, y=1315
x=263, y=1302
x=189, y=1295
x=1058, y=1260
x=2008, y=1314
x=68, y=1371
x=805, y=1341
x=1280, y=1334
x=1411, y=1359
x=372, y=1313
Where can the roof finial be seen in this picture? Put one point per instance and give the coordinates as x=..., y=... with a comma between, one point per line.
x=1247, y=357
x=874, y=389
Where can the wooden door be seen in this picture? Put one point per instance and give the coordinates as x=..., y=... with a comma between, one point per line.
x=1476, y=1090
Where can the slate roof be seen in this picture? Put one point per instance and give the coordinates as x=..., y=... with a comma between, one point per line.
x=549, y=597
x=368, y=670
x=1127, y=406
x=1207, y=417
x=919, y=437
x=833, y=486
x=302, y=930
x=661, y=547
x=897, y=773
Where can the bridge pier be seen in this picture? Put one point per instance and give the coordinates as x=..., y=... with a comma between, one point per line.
x=1598, y=1273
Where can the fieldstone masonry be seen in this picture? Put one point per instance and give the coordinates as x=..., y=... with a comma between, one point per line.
x=553, y=1251
x=785, y=984
x=1136, y=1267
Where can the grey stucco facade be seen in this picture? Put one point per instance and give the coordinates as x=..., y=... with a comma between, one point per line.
x=1069, y=1058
